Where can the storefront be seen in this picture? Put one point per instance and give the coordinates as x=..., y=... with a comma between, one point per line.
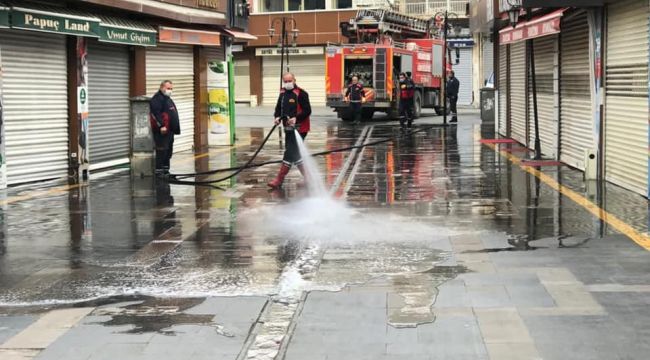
x=307, y=63
x=464, y=69
x=546, y=71
x=626, y=104
x=109, y=89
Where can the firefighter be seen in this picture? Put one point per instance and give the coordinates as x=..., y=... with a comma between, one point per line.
x=292, y=110
x=406, y=95
x=453, y=85
x=356, y=96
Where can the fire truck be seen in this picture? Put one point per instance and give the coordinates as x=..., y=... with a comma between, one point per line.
x=383, y=44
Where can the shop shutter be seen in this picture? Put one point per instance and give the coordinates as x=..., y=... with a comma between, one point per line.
x=576, y=123
x=518, y=91
x=488, y=60
x=242, y=80
x=35, y=92
x=463, y=71
x=109, y=108
x=175, y=63
x=503, y=90
x=547, y=100
x=626, y=115
x=310, y=75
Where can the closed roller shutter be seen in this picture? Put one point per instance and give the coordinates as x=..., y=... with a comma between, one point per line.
x=35, y=92
x=488, y=60
x=463, y=71
x=576, y=124
x=503, y=90
x=242, y=80
x=310, y=75
x=626, y=121
x=518, y=91
x=545, y=69
x=109, y=108
x=175, y=63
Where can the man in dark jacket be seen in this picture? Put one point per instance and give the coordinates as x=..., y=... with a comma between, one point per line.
x=406, y=97
x=164, y=125
x=292, y=110
x=453, y=85
x=356, y=96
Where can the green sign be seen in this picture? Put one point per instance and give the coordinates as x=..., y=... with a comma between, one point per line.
x=113, y=34
x=54, y=22
x=4, y=17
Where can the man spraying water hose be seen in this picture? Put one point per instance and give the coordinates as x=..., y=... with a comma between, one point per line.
x=292, y=110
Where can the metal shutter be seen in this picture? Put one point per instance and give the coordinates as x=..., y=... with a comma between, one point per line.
x=463, y=71
x=626, y=121
x=546, y=67
x=310, y=75
x=503, y=90
x=518, y=91
x=109, y=108
x=242, y=80
x=35, y=91
x=488, y=60
x=175, y=63
x=576, y=123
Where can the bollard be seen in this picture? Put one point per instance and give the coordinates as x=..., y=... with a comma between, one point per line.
x=142, y=147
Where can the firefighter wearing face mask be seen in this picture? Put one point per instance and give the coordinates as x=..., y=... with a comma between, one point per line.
x=406, y=96
x=292, y=110
x=164, y=125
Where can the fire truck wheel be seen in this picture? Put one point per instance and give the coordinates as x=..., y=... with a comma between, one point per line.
x=417, y=104
x=344, y=115
x=367, y=114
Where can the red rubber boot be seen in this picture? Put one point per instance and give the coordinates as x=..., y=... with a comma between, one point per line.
x=277, y=182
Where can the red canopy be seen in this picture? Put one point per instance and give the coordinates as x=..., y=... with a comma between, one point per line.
x=544, y=25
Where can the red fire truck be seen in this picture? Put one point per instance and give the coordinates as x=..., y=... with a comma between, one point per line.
x=384, y=43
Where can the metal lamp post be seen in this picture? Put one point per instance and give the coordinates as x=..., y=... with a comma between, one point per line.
x=287, y=25
x=445, y=24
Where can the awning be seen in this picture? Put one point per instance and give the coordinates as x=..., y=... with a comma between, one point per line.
x=190, y=37
x=122, y=31
x=240, y=36
x=545, y=25
x=207, y=16
x=4, y=17
x=54, y=20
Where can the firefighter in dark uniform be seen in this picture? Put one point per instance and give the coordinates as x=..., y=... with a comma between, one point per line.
x=453, y=86
x=292, y=110
x=406, y=95
x=356, y=96
x=164, y=125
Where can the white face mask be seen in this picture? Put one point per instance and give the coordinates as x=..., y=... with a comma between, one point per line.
x=288, y=86
x=167, y=93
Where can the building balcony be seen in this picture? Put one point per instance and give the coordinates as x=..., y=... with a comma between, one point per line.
x=427, y=9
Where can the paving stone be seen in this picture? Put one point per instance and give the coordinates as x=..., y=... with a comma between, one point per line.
x=12, y=325
x=488, y=296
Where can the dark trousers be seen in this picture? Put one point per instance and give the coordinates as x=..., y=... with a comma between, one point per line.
x=355, y=108
x=164, y=150
x=405, y=111
x=453, y=100
x=291, y=150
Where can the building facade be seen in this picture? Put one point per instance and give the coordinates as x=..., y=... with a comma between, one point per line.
x=591, y=67
x=69, y=69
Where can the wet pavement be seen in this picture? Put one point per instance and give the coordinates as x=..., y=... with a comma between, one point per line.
x=433, y=246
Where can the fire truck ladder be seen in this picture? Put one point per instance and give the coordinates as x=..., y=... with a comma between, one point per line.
x=389, y=22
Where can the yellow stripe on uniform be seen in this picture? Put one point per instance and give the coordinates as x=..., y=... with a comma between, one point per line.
x=642, y=240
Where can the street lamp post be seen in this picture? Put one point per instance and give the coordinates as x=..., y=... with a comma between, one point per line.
x=286, y=25
x=445, y=24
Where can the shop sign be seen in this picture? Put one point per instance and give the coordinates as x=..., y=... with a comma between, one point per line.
x=52, y=22
x=546, y=25
x=119, y=35
x=274, y=51
x=4, y=17
x=218, y=103
x=190, y=37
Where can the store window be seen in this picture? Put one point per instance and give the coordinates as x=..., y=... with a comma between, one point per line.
x=272, y=5
x=314, y=4
x=344, y=4
x=295, y=5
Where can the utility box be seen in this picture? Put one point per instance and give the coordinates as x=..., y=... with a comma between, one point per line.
x=591, y=164
x=142, y=146
x=487, y=105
